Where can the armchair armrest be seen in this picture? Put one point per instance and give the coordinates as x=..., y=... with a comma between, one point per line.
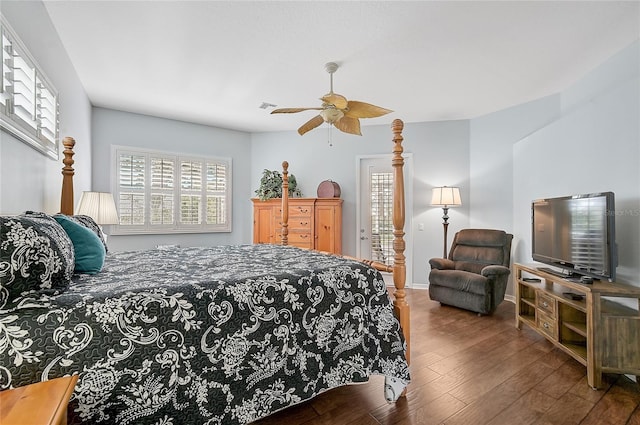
x=495, y=270
x=442, y=264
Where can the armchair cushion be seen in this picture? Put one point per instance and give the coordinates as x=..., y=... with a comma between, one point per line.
x=468, y=266
x=495, y=271
x=442, y=264
x=460, y=280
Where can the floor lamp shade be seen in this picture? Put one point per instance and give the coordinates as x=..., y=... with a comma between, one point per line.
x=99, y=206
x=446, y=196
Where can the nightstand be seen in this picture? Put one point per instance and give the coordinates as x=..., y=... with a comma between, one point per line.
x=42, y=403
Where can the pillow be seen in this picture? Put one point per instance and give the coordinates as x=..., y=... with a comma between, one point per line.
x=36, y=254
x=87, y=246
x=90, y=223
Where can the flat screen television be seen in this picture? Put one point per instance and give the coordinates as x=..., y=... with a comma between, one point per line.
x=576, y=234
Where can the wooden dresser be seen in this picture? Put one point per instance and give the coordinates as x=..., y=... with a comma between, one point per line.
x=314, y=223
x=42, y=403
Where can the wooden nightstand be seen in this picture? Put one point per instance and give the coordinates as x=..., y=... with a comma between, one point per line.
x=42, y=403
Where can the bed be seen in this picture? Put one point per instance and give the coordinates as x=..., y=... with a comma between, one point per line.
x=196, y=335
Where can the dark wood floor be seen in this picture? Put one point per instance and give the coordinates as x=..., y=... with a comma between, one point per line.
x=475, y=370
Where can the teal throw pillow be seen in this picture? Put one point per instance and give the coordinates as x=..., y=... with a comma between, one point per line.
x=87, y=246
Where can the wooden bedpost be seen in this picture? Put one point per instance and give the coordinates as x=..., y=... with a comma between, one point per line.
x=285, y=203
x=399, y=265
x=66, y=199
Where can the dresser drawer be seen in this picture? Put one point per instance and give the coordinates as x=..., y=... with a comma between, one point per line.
x=547, y=324
x=546, y=303
x=300, y=223
x=300, y=238
x=300, y=211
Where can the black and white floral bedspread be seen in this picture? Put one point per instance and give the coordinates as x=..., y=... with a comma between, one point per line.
x=217, y=335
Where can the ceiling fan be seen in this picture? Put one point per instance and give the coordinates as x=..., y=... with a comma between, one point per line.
x=336, y=110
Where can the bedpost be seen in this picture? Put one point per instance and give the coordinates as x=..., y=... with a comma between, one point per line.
x=66, y=198
x=285, y=203
x=399, y=265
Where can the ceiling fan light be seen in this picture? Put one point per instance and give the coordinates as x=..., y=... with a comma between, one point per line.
x=331, y=115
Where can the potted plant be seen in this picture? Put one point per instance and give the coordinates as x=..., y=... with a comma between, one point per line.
x=271, y=186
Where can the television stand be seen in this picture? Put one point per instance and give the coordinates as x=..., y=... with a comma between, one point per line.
x=553, y=272
x=601, y=334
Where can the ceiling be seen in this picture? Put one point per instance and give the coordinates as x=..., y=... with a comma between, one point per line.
x=216, y=62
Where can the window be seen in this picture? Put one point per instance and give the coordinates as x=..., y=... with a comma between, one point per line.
x=159, y=192
x=28, y=101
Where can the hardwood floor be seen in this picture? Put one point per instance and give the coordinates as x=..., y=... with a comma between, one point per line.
x=475, y=370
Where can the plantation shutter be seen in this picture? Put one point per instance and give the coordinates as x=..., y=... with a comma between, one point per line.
x=24, y=91
x=216, y=193
x=7, y=64
x=162, y=188
x=131, y=177
x=166, y=193
x=28, y=101
x=47, y=108
x=191, y=192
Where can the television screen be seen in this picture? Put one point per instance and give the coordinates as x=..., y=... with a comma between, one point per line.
x=576, y=233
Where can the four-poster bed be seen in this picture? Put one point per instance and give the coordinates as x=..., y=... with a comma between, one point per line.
x=223, y=334
x=399, y=268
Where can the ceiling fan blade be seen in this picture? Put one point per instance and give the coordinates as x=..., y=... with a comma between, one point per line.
x=293, y=110
x=310, y=125
x=349, y=125
x=357, y=109
x=337, y=100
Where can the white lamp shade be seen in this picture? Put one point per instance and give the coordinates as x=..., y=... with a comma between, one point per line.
x=446, y=196
x=99, y=206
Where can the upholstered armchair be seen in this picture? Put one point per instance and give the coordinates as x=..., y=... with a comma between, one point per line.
x=475, y=275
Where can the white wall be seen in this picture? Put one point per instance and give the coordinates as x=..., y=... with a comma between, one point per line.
x=593, y=147
x=585, y=139
x=30, y=180
x=440, y=156
x=492, y=162
x=122, y=128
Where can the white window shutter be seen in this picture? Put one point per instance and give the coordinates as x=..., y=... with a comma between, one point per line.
x=28, y=101
x=216, y=193
x=131, y=182
x=47, y=112
x=170, y=193
x=6, y=56
x=162, y=190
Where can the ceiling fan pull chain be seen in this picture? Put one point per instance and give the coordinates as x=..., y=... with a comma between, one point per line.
x=330, y=134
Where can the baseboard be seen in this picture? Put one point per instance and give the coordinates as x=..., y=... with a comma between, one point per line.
x=424, y=286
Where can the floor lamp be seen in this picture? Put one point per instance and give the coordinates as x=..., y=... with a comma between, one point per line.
x=445, y=197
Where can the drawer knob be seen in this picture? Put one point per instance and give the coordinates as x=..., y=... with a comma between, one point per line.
x=545, y=304
x=546, y=325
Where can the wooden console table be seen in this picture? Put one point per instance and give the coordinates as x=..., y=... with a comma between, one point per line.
x=42, y=403
x=582, y=320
